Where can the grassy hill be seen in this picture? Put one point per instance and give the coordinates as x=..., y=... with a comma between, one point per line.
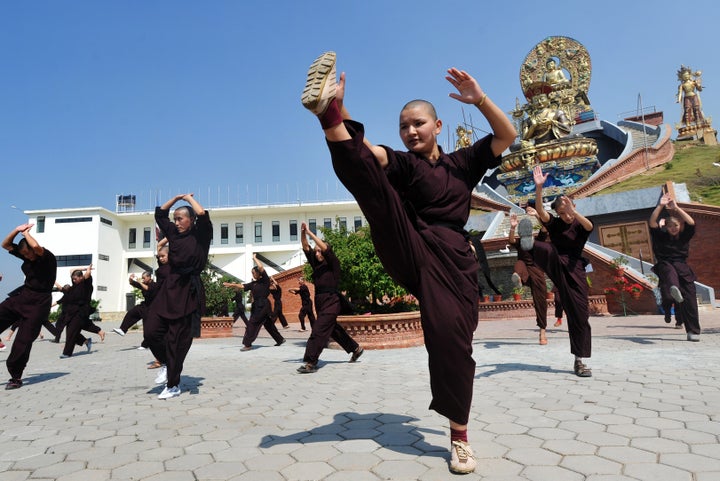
x=692, y=165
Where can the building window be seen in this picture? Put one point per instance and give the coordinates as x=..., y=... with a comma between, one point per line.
x=293, y=230
x=40, y=225
x=105, y=221
x=239, y=234
x=258, y=231
x=70, y=220
x=146, y=238
x=224, y=233
x=132, y=237
x=73, y=261
x=327, y=223
x=358, y=222
x=276, y=231
x=312, y=225
x=343, y=223
x=103, y=257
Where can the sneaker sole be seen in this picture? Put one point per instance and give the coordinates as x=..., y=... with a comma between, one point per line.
x=525, y=231
x=317, y=76
x=676, y=295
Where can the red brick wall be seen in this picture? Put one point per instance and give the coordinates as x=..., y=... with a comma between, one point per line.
x=291, y=302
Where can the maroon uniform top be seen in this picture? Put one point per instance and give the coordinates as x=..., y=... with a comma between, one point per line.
x=260, y=290
x=40, y=273
x=182, y=293
x=276, y=293
x=440, y=193
x=76, y=300
x=304, y=293
x=149, y=293
x=568, y=239
x=666, y=248
x=326, y=274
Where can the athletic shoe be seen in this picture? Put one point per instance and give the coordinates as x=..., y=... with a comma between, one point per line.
x=64, y=356
x=462, y=459
x=525, y=232
x=515, y=279
x=13, y=384
x=141, y=348
x=356, y=355
x=88, y=344
x=676, y=294
x=320, y=84
x=162, y=376
x=118, y=331
x=169, y=392
x=307, y=368
x=246, y=348
x=693, y=337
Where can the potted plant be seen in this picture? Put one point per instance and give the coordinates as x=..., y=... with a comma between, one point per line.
x=635, y=290
x=216, y=322
x=618, y=265
x=549, y=294
x=517, y=293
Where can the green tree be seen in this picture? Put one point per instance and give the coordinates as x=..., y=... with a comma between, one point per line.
x=364, y=280
x=218, y=298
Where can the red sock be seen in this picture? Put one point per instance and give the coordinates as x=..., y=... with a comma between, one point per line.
x=457, y=435
x=331, y=117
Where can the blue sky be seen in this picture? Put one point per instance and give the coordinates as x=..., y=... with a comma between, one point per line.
x=155, y=98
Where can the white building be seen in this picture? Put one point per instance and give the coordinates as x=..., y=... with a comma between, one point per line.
x=123, y=242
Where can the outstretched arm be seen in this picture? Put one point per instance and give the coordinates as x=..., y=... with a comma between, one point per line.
x=673, y=207
x=539, y=178
x=88, y=272
x=662, y=203
x=513, y=225
x=469, y=92
x=303, y=237
x=259, y=264
x=234, y=285
x=318, y=241
x=24, y=229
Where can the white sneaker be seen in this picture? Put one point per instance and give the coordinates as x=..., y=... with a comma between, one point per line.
x=88, y=344
x=320, y=84
x=169, y=392
x=140, y=348
x=462, y=459
x=676, y=294
x=118, y=331
x=162, y=376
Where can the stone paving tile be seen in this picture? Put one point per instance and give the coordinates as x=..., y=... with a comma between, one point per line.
x=532, y=419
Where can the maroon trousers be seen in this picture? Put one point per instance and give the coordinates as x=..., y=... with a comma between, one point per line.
x=681, y=275
x=569, y=277
x=326, y=327
x=28, y=309
x=169, y=340
x=306, y=310
x=434, y=263
x=260, y=317
x=534, y=277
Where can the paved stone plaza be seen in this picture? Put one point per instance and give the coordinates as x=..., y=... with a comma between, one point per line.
x=651, y=411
